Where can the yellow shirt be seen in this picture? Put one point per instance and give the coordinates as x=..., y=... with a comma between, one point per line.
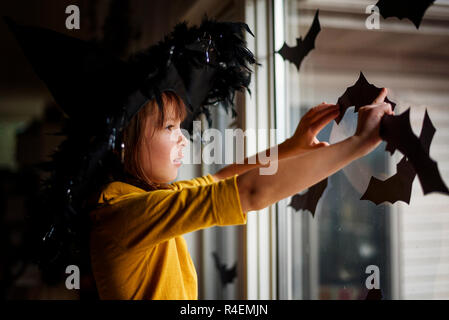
x=136, y=244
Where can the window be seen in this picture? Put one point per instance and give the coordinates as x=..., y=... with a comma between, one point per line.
x=326, y=256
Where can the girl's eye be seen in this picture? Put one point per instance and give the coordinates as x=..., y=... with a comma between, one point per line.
x=170, y=127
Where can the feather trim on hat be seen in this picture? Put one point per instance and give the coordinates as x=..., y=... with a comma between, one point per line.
x=203, y=64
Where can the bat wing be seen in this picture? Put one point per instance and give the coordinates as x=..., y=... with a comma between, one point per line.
x=290, y=54
x=398, y=134
x=396, y=188
x=218, y=264
x=399, y=186
x=428, y=174
x=412, y=10
x=309, y=200
x=427, y=132
x=296, y=54
x=362, y=93
x=226, y=275
x=312, y=34
x=230, y=274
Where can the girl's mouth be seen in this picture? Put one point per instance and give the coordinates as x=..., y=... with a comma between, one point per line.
x=178, y=161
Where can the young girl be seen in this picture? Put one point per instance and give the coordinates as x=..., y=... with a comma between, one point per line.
x=136, y=245
x=137, y=248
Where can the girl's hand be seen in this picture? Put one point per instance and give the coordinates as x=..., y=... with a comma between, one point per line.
x=368, y=122
x=311, y=123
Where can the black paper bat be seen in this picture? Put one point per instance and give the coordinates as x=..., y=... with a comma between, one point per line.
x=374, y=294
x=226, y=275
x=309, y=200
x=362, y=93
x=399, y=186
x=303, y=47
x=398, y=134
x=413, y=10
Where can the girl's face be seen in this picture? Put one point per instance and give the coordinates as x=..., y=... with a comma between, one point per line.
x=162, y=148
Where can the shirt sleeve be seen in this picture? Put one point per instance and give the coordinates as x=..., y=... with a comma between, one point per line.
x=199, y=181
x=143, y=220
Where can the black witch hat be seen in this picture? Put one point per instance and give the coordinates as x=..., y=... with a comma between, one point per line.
x=100, y=94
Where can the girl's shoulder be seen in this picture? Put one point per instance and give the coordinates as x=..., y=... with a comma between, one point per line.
x=117, y=189
x=195, y=182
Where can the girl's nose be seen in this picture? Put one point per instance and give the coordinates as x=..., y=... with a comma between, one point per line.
x=182, y=140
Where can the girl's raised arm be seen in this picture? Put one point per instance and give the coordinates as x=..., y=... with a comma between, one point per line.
x=295, y=174
x=304, y=140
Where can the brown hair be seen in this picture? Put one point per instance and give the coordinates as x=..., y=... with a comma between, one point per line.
x=134, y=134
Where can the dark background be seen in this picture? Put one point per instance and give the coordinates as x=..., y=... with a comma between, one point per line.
x=29, y=117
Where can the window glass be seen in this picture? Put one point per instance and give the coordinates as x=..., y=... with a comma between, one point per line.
x=408, y=243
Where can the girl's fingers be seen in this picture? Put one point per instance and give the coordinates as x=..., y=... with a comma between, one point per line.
x=386, y=108
x=323, y=106
x=320, y=144
x=318, y=108
x=318, y=111
x=324, y=119
x=381, y=97
x=323, y=144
